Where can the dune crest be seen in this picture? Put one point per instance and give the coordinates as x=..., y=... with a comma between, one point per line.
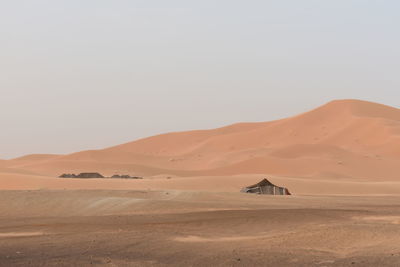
x=343, y=138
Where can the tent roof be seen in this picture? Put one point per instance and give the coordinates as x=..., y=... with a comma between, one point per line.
x=263, y=182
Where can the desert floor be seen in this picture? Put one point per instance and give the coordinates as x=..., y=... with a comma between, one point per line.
x=139, y=227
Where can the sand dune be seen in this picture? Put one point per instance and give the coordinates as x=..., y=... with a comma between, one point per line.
x=340, y=161
x=346, y=138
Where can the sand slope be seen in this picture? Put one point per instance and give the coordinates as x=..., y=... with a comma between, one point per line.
x=342, y=139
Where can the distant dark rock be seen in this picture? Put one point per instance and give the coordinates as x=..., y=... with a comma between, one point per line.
x=90, y=175
x=82, y=175
x=67, y=175
x=117, y=176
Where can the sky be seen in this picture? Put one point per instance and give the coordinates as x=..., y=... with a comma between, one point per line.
x=77, y=75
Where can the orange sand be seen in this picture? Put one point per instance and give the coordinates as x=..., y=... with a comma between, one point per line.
x=350, y=141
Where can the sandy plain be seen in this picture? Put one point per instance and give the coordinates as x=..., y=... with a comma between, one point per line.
x=189, y=228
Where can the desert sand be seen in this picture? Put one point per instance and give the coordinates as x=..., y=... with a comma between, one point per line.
x=340, y=161
x=176, y=228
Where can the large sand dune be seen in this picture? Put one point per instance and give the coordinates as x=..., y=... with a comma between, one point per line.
x=342, y=139
x=340, y=161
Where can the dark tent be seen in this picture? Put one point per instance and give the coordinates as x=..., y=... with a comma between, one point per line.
x=265, y=187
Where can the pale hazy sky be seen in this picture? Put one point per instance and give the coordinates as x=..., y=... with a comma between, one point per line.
x=88, y=74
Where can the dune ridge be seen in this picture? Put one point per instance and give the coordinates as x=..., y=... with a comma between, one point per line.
x=341, y=139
